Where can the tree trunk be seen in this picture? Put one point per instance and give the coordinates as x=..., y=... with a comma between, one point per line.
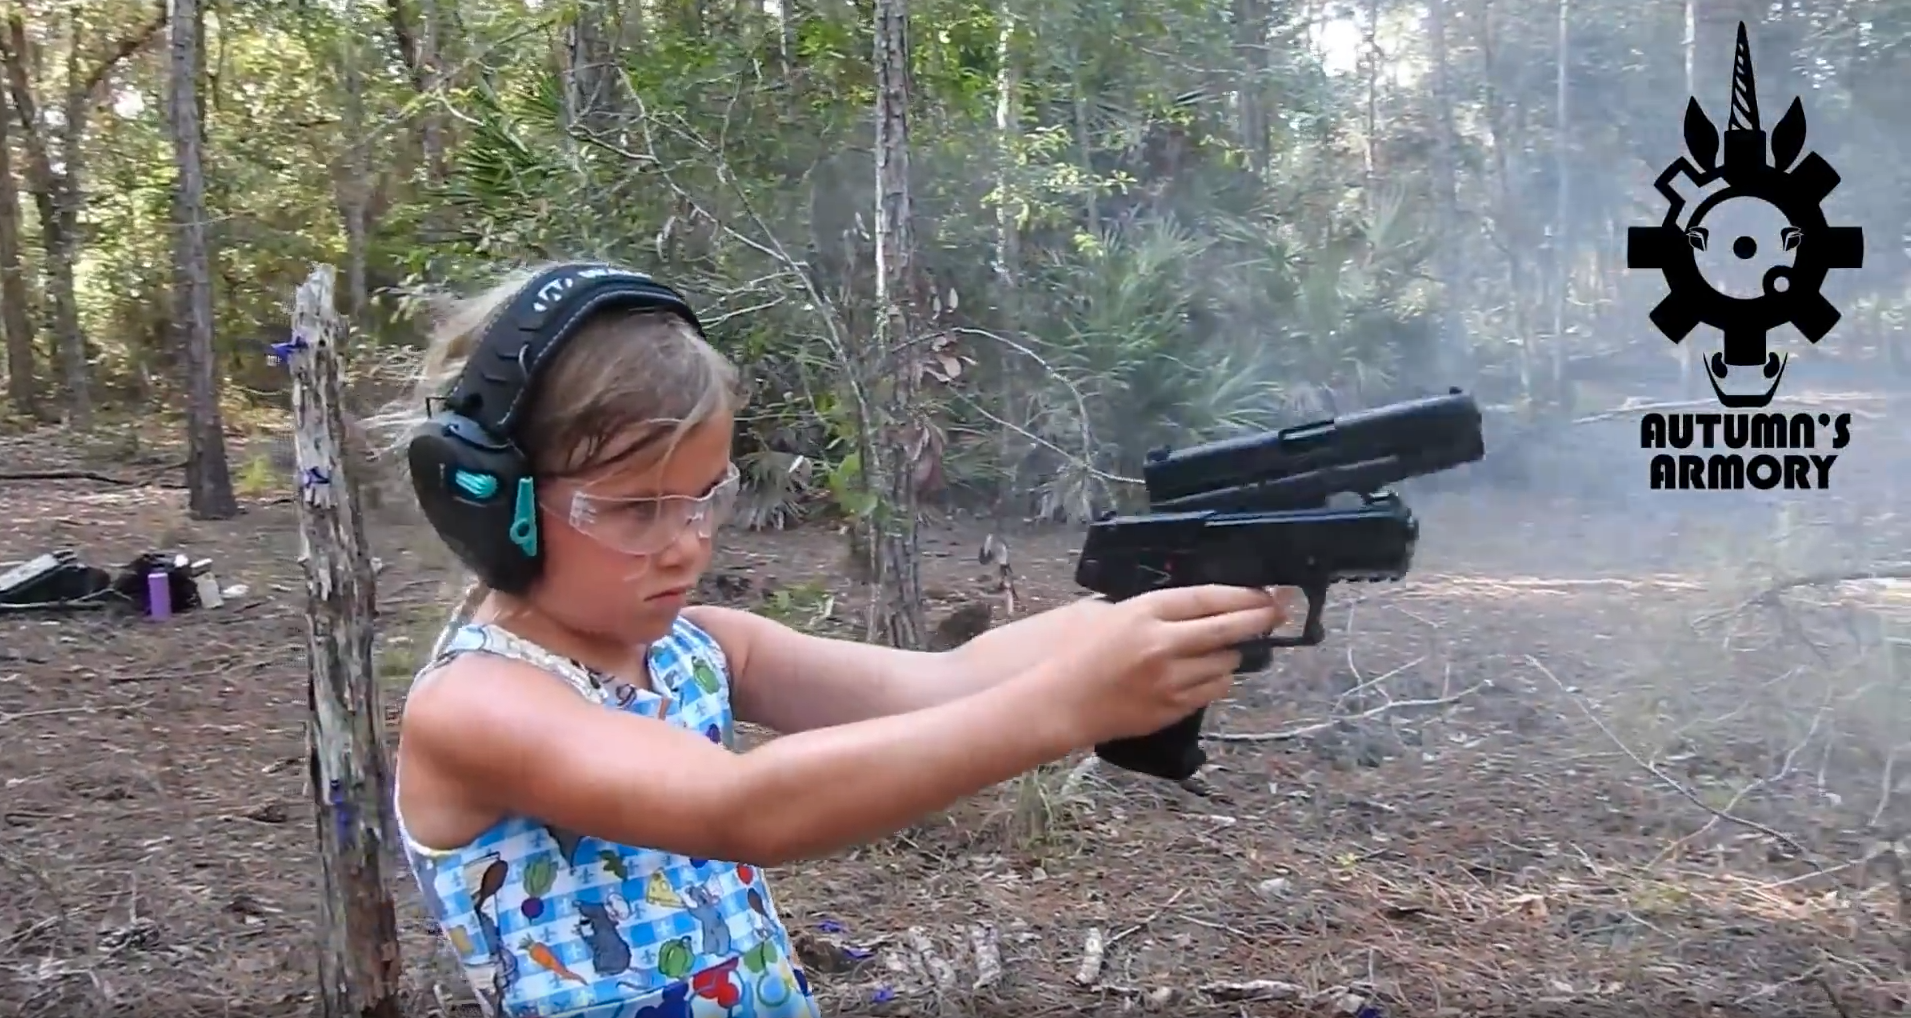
x=208, y=480
x=1008, y=254
x=1450, y=350
x=591, y=80
x=1250, y=45
x=354, y=179
x=56, y=199
x=59, y=195
x=902, y=437
x=420, y=45
x=22, y=377
x=1370, y=149
x=1562, y=203
x=359, y=972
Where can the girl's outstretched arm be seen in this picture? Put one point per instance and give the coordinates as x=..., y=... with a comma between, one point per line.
x=490, y=737
x=794, y=682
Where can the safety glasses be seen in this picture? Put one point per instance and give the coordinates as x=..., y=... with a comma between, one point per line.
x=645, y=525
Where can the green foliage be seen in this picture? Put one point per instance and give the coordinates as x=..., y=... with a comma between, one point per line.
x=1182, y=270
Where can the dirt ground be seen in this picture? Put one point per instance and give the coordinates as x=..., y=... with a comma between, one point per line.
x=1502, y=789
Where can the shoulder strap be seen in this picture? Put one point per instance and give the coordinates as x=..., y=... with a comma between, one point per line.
x=481, y=638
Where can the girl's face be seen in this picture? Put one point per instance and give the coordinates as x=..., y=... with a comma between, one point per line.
x=625, y=546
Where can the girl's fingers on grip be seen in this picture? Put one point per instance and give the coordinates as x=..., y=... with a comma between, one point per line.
x=1219, y=666
x=1218, y=631
x=1179, y=604
x=1205, y=690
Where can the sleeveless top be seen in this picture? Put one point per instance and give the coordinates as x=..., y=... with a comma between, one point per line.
x=547, y=922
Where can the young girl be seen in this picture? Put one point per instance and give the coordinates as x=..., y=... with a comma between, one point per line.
x=567, y=788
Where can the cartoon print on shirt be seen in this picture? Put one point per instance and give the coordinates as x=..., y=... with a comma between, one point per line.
x=610, y=955
x=504, y=964
x=613, y=863
x=461, y=942
x=426, y=870
x=719, y=984
x=659, y=894
x=539, y=876
x=567, y=842
x=702, y=906
x=774, y=984
x=675, y=1003
x=760, y=916
x=592, y=921
x=548, y=960
x=705, y=676
x=675, y=958
x=760, y=957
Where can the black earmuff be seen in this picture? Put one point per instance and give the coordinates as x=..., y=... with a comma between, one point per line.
x=474, y=484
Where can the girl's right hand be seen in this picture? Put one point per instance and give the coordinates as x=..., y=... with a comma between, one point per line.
x=1147, y=662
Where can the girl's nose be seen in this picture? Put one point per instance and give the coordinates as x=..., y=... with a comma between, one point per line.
x=687, y=545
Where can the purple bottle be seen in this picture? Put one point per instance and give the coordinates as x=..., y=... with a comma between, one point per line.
x=159, y=594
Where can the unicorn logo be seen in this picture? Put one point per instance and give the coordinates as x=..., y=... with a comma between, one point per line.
x=1744, y=246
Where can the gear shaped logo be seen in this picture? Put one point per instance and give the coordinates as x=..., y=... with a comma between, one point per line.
x=1746, y=212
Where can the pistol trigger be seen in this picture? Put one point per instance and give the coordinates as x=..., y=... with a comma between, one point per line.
x=1312, y=631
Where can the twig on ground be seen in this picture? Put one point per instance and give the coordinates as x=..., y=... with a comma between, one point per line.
x=1832, y=996
x=1666, y=779
x=1375, y=681
x=1151, y=917
x=1352, y=668
x=1884, y=786
x=1317, y=727
x=1784, y=771
x=53, y=711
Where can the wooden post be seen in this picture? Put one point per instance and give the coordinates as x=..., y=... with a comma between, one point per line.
x=358, y=929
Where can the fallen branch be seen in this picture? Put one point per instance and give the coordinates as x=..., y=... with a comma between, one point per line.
x=1893, y=571
x=86, y=475
x=1317, y=727
x=46, y=712
x=1666, y=779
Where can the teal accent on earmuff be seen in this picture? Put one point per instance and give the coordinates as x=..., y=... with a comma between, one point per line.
x=524, y=518
x=478, y=486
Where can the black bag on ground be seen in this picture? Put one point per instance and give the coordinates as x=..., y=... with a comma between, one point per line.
x=56, y=581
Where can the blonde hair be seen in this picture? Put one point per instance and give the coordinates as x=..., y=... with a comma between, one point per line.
x=626, y=388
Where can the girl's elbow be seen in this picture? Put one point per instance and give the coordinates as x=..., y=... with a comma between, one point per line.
x=746, y=823
x=764, y=840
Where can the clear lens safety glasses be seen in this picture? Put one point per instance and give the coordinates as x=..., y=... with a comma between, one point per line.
x=645, y=525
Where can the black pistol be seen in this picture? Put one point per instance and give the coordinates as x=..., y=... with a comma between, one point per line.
x=1257, y=511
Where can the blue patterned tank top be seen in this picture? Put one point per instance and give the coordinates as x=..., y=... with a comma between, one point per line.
x=549, y=923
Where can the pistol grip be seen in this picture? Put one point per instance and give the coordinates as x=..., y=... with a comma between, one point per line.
x=1173, y=754
x=1256, y=655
